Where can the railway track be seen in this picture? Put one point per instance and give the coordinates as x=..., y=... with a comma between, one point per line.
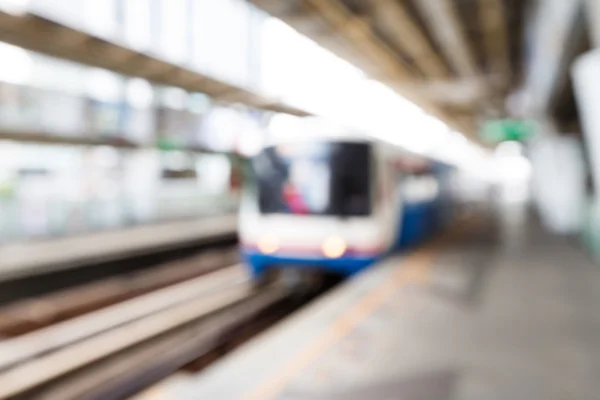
x=202, y=333
x=114, y=337
x=27, y=315
x=61, y=277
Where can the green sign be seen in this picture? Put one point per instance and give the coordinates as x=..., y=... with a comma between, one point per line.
x=507, y=129
x=168, y=144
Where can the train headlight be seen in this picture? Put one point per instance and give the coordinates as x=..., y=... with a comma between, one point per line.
x=268, y=244
x=333, y=247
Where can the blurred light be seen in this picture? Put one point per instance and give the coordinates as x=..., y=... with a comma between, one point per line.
x=250, y=138
x=428, y=132
x=322, y=86
x=268, y=244
x=222, y=127
x=174, y=98
x=139, y=93
x=199, y=103
x=420, y=188
x=513, y=169
x=10, y=152
x=509, y=148
x=510, y=165
x=176, y=160
x=458, y=137
x=137, y=23
x=103, y=85
x=16, y=66
x=283, y=125
x=333, y=247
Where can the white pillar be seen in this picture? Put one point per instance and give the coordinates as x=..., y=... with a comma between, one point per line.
x=586, y=85
x=559, y=182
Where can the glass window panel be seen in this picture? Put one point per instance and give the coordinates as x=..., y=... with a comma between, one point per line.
x=68, y=12
x=220, y=35
x=16, y=65
x=138, y=23
x=55, y=74
x=174, y=39
x=100, y=18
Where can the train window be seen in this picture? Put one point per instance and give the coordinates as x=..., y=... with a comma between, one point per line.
x=420, y=188
x=323, y=178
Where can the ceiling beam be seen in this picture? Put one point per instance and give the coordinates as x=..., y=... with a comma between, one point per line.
x=388, y=66
x=361, y=35
x=465, y=93
x=443, y=21
x=359, y=44
x=492, y=16
x=391, y=16
x=278, y=7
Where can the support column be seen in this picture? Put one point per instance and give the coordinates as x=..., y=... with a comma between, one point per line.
x=586, y=86
x=558, y=184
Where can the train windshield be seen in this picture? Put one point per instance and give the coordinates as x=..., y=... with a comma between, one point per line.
x=321, y=178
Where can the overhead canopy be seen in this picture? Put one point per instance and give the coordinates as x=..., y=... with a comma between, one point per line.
x=48, y=37
x=457, y=59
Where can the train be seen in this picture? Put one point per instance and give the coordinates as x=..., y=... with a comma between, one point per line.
x=331, y=199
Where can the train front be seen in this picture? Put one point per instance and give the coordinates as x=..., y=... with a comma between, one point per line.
x=310, y=207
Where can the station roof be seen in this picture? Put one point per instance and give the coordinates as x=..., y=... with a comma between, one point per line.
x=457, y=59
x=39, y=34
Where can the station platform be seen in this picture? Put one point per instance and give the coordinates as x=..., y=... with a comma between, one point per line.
x=493, y=312
x=27, y=258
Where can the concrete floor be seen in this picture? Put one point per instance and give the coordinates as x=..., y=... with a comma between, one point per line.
x=502, y=312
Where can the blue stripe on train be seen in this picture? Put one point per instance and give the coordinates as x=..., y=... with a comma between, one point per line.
x=418, y=222
x=346, y=265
